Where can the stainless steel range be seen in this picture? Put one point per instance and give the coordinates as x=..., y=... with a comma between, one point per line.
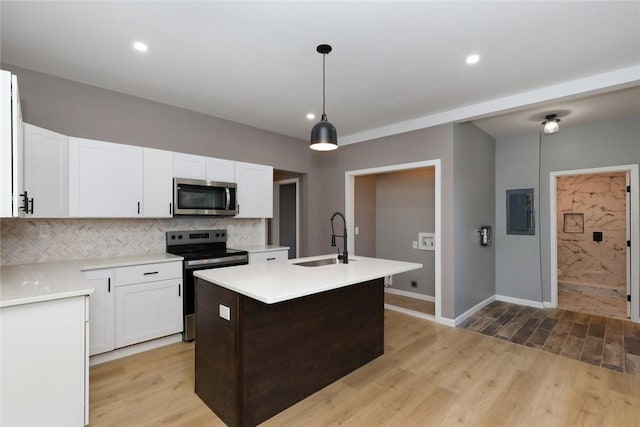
x=201, y=249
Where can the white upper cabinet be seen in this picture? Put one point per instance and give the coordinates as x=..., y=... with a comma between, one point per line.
x=158, y=183
x=189, y=166
x=105, y=179
x=10, y=146
x=45, y=173
x=255, y=190
x=221, y=170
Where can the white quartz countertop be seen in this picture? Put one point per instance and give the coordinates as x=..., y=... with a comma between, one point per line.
x=254, y=249
x=277, y=281
x=29, y=283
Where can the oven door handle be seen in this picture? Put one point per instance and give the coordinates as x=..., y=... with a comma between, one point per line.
x=236, y=259
x=227, y=196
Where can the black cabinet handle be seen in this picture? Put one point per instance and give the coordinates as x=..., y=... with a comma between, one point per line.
x=109, y=284
x=138, y=208
x=31, y=210
x=150, y=273
x=271, y=259
x=25, y=202
x=179, y=285
x=170, y=209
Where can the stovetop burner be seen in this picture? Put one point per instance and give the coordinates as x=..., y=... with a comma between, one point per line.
x=200, y=244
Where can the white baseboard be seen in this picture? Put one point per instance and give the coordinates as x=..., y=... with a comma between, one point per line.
x=410, y=312
x=447, y=322
x=520, y=301
x=134, y=349
x=548, y=304
x=410, y=294
x=464, y=316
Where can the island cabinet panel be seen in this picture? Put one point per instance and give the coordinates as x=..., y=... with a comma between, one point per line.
x=267, y=357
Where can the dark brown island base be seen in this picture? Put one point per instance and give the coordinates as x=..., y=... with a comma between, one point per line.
x=267, y=357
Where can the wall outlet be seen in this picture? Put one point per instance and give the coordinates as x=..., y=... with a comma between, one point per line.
x=357, y=231
x=43, y=230
x=415, y=244
x=414, y=283
x=225, y=312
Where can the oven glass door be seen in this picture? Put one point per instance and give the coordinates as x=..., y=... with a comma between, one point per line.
x=189, y=297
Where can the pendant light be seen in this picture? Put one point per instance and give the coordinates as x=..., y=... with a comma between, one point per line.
x=551, y=124
x=323, y=135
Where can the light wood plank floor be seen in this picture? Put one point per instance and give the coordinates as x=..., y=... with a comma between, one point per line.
x=430, y=375
x=414, y=304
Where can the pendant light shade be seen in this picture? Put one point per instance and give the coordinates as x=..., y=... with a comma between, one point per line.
x=551, y=124
x=323, y=135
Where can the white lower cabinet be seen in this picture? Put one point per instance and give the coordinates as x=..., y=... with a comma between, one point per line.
x=44, y=364
x=102, y=336
x=275, y=255
x=148, y=310
x=135, y=303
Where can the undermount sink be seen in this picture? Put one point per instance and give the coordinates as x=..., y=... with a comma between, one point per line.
x=318, y=262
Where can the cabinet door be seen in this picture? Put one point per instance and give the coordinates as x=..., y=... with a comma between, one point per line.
x=105, y=179
x=10, y=146
x=157, y=183
x=189, y=166
x=221, y=170
x=45, y=172
x=43, y=363
x=255, y=190
x=148, y=310
x=101, y=311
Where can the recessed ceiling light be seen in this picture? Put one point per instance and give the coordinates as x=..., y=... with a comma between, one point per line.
x=311, y=116
x=473, y=59
x=140, y=46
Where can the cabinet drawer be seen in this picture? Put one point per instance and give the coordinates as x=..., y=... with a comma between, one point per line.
x=148, y=273
x=268, y=256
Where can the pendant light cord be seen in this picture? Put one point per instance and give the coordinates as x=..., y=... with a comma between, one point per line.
x=324, y=55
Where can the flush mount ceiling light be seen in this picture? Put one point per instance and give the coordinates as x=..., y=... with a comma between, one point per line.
x=551, y=124
x=323, y=135
x=473, y=59
x=140, y=46
x=311, y=116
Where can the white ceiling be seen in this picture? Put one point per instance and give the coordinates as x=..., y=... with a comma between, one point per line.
x=396, y=66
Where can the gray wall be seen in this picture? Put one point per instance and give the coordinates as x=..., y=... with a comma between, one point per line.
x=365, y=215
x=517, y=257
x=595, y=145
x=473, y=206
x=85, y=111
x=405, y=206
x=287, y=209
x=425, y=144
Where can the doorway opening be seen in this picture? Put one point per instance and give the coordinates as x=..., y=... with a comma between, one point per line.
x=284, y=227
x=389, y=211
x=594, y=229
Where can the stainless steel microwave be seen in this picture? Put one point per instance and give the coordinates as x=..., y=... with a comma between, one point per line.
x=200, y=197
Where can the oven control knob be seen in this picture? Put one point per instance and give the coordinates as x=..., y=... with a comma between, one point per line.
x=179, y=236
x=173, y=237
x=217, y=234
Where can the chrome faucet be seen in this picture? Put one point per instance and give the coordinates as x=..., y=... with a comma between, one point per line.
x=345, y=254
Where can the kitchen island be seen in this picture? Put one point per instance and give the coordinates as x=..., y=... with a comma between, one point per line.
x=268, y=335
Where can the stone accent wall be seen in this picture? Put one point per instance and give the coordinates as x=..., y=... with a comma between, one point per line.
x=601, y=199
x=23, y=241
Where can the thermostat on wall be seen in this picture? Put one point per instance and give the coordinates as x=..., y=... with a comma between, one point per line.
x=427, y=241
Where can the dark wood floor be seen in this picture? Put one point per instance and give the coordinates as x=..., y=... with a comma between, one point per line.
x=601, y=341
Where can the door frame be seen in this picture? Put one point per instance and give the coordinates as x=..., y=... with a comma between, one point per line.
x=295, y=181
x=634, y=226
x=349, y=204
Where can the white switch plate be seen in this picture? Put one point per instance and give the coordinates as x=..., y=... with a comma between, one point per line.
x=414, y=245
x=225, y=312
x=43, y=230
x=357, y=231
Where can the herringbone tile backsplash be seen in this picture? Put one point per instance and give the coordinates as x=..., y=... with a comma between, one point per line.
x=68, y=239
